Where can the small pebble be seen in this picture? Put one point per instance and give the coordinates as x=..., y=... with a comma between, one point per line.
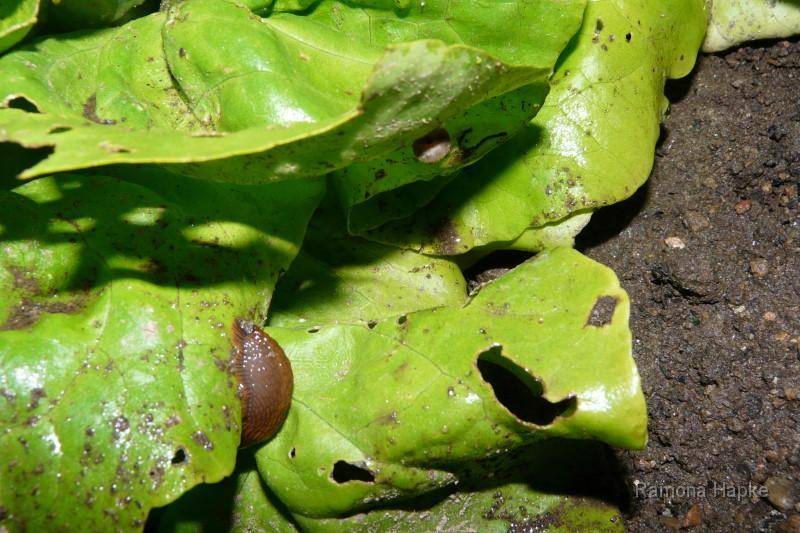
x=769, y=316
x=695, y=221
x=791, y=393
x=694, y=517
x=743, y=206
x=790, y=525
x=780, y=492
x=759, y=267
x=675, y=242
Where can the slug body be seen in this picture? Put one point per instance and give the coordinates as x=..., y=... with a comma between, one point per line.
x=265, y=381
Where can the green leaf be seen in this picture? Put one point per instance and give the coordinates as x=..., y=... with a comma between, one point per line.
x=591, y=144
x=549, y=486
x=17, y=17
x=128, y=100
x=732, y=22
x=337, y=278
x=65, y=15
x=554, y=485
x=403, y=402
x=117, y=301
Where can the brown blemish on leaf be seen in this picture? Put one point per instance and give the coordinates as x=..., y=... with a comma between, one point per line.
x=157, y=475
x=36, y=395
x=112, y=148
x=201, y=439
x=400, y=369
x=602, y=312
x=387, y=419
x=24, y=281
x=28, y=311
x=90, y=112
x=120, y=425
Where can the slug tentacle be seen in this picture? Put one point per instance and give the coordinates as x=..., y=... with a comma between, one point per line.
x=265, y=381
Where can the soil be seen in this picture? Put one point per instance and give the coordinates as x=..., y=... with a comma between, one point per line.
x=708, y=252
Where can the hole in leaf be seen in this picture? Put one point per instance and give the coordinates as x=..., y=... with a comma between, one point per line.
x=179, y=457
x=59, y=129
x=432, y=147
x=372, y=323
x=17, y=159
x=518, y=391
x=293, y=453
x=22, y=103
x=402, y=319
x=344, y=472
x=602, y=312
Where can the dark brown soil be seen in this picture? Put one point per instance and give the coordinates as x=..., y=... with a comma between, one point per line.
x=709, y=252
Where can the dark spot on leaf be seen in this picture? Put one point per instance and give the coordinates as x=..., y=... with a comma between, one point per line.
x=23, y=104
x=380, y=174
x=598, y=26
x=90, y=112
x=27, y=312
x=402, y=319
x=315, y=329
x=344, y=472
x=202, y=440
x=179, y=457
x=628, y=37
x=390, y=418
x=8, y=395
x=433, y=147
x=172, y=421
x=372, y=323
x=157, y=475
x=58, y=129
x=182, y=52
x=36, y=395
x=602, y=312
x=120, y=425
x=293, y=452
x=518, y=391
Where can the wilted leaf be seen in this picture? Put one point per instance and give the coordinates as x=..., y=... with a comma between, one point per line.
x=117, y=302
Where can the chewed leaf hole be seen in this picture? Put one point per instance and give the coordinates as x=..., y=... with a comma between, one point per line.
x=22, y=103
x=602, y=312
x=432, y=147
x=16, y=159
x=59, y=129
x=518, y=391
x=344, y=472
x=179, y=457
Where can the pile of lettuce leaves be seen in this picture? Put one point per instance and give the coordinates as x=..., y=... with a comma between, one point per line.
x=328, y=169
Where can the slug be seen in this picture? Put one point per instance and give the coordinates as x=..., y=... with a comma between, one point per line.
x=265, y=382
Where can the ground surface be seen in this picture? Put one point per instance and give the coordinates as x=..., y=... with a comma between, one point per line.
x=709, y=252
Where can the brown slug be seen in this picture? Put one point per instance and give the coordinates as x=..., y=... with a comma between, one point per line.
x=265, y=381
